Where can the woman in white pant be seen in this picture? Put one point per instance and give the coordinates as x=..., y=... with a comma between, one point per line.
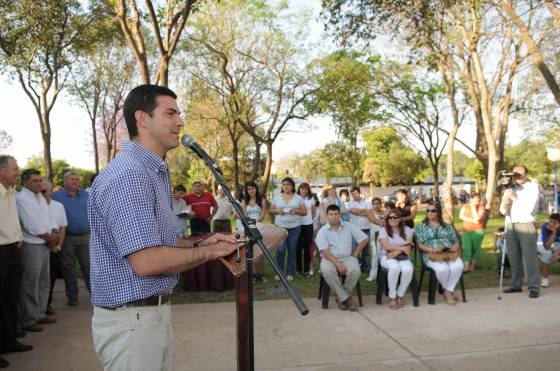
x=440, y=250
x=396, y=240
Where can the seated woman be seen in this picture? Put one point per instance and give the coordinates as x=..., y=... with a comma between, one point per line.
x=396, y=239
x=440, y=250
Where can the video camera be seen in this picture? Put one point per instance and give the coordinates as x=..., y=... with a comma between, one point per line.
x=507, y=180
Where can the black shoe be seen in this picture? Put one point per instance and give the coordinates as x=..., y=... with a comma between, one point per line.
x=533, y=294
x=72, y=302
x=511, y=290
x=4, y=363
x=15, y=346
x=20, y=334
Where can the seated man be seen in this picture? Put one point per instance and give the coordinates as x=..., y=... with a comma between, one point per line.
x=334, y=241
x=548, y=245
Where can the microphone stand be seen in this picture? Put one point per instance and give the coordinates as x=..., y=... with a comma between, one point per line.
x=253, y=236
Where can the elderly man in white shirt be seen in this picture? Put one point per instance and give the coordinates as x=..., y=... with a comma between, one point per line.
x=334, y=241
x=519, y=205
x=38, y=236
x=58, y=218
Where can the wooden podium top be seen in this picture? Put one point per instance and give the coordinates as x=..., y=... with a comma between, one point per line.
x=272, y=237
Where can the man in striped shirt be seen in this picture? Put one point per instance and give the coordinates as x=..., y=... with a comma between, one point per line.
x=133, y=247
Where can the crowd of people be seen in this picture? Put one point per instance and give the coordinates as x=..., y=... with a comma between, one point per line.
x=129, y=235
x=42, y=236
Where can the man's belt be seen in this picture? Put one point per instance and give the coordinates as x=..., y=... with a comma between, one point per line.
x=147, y=302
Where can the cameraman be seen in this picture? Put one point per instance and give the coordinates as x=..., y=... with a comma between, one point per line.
x=521, y=237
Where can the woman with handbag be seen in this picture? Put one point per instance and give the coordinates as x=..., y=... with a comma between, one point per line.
x=440, y=250
x=396, y=240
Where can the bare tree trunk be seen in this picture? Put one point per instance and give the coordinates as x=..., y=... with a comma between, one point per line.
x=554, y=11
x=95, y=149
x=256, y=161
x=268, y=165
x=235, y=150
x=163, y=72
x=435, y=174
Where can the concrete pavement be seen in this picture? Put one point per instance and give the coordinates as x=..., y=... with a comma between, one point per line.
x=516, y=333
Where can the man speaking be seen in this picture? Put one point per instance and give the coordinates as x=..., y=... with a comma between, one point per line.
x=133, y=248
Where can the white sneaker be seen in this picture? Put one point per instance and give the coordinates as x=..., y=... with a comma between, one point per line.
x=370, y=278
x=290, y=278
x=276, y=278
x=311, y=272
x=545, y=282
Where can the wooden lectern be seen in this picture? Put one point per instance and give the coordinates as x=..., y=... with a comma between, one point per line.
x=272, y=238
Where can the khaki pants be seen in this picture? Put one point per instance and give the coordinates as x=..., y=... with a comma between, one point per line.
x=330, y=274
x=133, y=338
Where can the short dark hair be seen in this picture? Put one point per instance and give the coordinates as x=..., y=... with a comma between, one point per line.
x=197, y=182
x=555, y=216
x=333, y=207
x=179, y=188
x=291, y=181
x=355, y=189
x=27, y=173
x=4, y=160
x=345, y=192
x=142, y=98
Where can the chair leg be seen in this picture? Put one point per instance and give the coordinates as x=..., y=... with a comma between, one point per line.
x=463, y=289
x=432, y=287
x=321, y=283
x=415, y=290
x=359, y=293
x=326, y=293
x=381, y=284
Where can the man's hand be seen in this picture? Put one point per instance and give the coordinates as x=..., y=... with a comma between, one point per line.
x=341, y=269
x=219, y=237
x=437, y=250
x=220, y=250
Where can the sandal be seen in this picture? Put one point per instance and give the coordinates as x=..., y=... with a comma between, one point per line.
x=454, y=296
x=393, y=304
x=400, y=302
x=449, y=298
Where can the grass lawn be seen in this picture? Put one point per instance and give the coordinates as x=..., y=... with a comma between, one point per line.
x=486, y=275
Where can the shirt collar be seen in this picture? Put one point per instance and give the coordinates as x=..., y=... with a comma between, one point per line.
x=330, y=227
x=4, y=191
x=146, y=156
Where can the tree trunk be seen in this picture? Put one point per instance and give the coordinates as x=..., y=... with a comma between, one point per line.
x=256, y=161
x=435, y=174
x=235, y=149
x=267, y=166
x=46, y=136
x=163, y=72
x=95, y=149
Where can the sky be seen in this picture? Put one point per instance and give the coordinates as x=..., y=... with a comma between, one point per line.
x=71, y=132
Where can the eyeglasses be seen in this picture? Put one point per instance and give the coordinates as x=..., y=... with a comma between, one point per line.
x=431, y=210
x=517, y=175
x=393, y=217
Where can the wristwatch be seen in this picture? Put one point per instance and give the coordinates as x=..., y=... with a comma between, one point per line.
x=197, y=243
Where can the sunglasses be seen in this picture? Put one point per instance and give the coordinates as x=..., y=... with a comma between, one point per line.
x=43, y=192
x=393, y=217
x=431, y=210
x=517, y=175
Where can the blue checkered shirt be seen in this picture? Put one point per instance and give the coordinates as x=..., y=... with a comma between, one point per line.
x=130, y=209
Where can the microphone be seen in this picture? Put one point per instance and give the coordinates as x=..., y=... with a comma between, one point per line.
x=188, y=141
